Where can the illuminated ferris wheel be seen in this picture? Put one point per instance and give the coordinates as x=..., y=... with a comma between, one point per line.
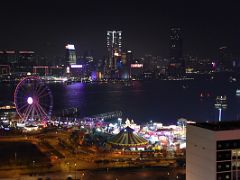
x=33, y=100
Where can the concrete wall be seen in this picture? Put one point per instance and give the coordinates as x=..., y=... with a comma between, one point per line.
x=227, y=135
x=200, y=154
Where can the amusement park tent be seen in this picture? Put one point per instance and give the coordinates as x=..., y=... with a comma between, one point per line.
x=126, y=138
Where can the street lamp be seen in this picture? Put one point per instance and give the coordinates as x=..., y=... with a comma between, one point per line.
x=33, y=164
x=120, y=122
x=82, y=176
x=75, y=165
x=68, y=166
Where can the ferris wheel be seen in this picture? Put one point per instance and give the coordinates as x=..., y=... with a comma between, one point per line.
x=33, y=100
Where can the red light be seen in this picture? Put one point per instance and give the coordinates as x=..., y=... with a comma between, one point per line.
x=173, y=65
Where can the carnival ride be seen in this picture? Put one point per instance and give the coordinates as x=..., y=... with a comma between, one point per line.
x=33, y=100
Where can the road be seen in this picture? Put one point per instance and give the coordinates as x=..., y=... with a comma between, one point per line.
x=83, y=165
x=109, y=174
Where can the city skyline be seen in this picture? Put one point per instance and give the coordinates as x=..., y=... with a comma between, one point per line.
x=128, y=89
x=146, y=28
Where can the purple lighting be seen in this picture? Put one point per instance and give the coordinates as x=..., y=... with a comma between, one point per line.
x=213, y=64
x=30, y=100
x=76, y=66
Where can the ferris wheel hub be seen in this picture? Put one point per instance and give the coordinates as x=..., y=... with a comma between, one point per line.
x=30, y=100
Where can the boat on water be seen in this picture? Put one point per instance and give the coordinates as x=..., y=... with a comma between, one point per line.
x=238, y=92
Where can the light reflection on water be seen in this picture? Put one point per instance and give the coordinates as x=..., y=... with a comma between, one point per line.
x=163, y=101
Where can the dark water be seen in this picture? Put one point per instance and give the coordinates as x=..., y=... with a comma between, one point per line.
x=163, y=101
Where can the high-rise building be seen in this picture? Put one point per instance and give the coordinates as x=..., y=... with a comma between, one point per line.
x=176, y=65
x=225, y=62
x=129, y=57
x=71, y=57
x=26, y=61
x=11, y=56
x=2, y=58
x=114, y=46
x=148, y=63
x=19, y=61
x=213, y=151
x=123, y=65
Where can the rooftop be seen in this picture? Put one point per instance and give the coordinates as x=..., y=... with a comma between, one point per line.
x=126, y=138
x=219, y=126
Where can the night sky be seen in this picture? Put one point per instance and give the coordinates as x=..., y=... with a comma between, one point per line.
x=46, y=27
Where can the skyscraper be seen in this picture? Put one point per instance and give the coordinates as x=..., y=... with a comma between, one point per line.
x=225, y=62
x=71, y=57
x=125, y=63
x=19, y=61
x=176, y=65
x=26, y=60
x=114, y=46
x=129, y=57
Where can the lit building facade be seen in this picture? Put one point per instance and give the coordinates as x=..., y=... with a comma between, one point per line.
x=136, y=71
x=18, y=61
x=71, y=57
x=114, y=47
x=123, y=65
x=26, y=60
x=8, y=57
x=213, y=151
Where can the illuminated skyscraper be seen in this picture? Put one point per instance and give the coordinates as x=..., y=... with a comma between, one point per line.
x=71, y=57
x=114, y=46
x=177, y=65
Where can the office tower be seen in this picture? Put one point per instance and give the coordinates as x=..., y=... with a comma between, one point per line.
x=175, y=45
x=11, y=56
x=148, y=63
x=129, y=57
x=5, y=58
x=2, y=58
x=18, y=61
x=124, y=64
x=71, y=57
x=176, y=65
x=213, y=151
x=124, y=58
x=114, y=47
x=224, y=59
x=26, y=61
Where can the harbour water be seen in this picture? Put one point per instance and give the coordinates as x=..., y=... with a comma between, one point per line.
x=161, y=101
